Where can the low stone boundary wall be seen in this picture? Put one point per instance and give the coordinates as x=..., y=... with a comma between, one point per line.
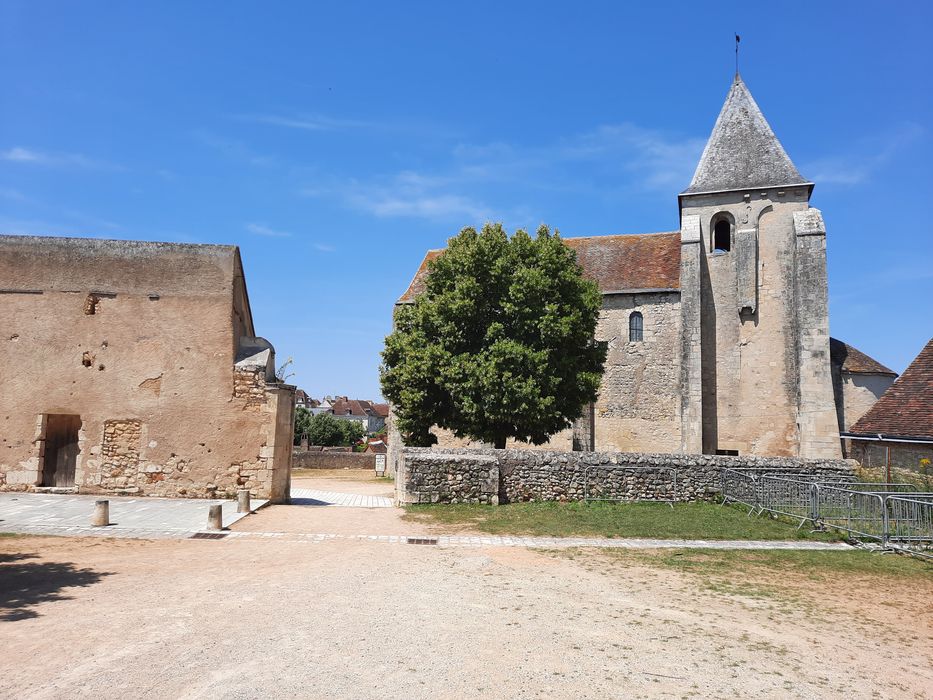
x=435, y=477
x=333, y=460
x=451, y=475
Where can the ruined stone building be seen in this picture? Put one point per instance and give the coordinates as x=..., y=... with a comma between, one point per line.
x=719, y=333
x=134, y=368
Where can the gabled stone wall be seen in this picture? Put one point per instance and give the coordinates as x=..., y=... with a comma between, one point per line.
x=138, y=341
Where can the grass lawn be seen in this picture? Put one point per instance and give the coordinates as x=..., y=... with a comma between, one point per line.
x=652, y=520
x=782, y=574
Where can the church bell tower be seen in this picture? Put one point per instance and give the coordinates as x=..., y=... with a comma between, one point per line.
x=755, y=354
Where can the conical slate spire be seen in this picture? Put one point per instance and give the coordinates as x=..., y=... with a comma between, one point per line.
x=742, y=152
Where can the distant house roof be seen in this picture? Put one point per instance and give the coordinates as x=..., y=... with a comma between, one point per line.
x=854, y=361
x=906, y=408
x=377, y=446
x=342, y=406
x=617, y=263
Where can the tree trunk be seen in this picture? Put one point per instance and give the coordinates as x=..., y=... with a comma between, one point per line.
x=499, y=444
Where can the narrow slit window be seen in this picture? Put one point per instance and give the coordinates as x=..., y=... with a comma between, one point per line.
x=636, y=327
x=722, y=236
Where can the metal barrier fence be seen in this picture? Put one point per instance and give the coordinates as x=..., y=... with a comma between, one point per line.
x=788, y=497
x=632, y=486
x=910, y=521
x=860, y=513
x=896, y=515
x=739, y=487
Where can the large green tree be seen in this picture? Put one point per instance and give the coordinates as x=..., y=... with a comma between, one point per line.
x=325, y=430
x=500, y=344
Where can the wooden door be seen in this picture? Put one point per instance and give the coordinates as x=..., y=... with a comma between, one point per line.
x=61, y=450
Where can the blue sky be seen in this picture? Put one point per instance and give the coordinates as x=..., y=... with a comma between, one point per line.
x=335, y=144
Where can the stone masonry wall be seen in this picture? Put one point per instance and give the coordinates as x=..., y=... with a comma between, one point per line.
x=333, y=460
x=638, y=406
x=119, y=453
x=533, y=475
x=250, y=383
x=442, y=477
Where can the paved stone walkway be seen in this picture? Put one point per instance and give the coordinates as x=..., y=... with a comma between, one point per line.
x=313, y=497
x=547, y=542
x=47, y=514
x=172, y=518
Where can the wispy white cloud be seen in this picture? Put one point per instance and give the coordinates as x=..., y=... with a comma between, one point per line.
x=13, y=195
x=323, y=248
x=405, y=194
x=29, y=156
x=264, y=230
x=90, y=221
x=624, y=156
x=659, y=161
x=37, y=227
x=314, y=122
x=866, y=157
x=234, y=149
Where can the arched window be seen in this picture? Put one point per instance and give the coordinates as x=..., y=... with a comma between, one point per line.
x=722, y=236
x=636, y=326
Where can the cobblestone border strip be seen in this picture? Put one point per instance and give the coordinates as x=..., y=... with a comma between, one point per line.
x=444, y=540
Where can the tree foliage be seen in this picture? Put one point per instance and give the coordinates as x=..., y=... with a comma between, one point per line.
x=325, y=430
x=500, y=344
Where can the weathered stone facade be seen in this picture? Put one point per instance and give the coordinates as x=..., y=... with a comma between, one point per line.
x=136, y=370
x=638, y=408
x=504, y=476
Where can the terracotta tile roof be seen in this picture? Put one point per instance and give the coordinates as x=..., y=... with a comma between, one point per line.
x=420, y=280
x=348, y=407
x=616, y=263
x=906, y=408
x=361, y=407
x=855, y=361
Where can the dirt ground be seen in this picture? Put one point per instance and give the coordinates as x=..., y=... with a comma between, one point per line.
x=283, y=618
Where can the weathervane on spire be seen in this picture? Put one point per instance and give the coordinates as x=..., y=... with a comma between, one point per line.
x=737, y=40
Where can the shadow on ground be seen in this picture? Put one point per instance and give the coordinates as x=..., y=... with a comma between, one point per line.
x=25, y=584
x=307, y=502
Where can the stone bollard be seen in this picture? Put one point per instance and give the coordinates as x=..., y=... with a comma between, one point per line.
x=215, y=518
x=101, y=514
x=242, y=501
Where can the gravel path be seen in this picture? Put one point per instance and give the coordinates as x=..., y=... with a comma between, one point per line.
x=247, y=618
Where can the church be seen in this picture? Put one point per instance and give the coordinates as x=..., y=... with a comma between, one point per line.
x=718, y=333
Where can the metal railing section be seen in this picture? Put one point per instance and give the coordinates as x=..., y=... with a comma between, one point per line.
x=910, y=523
x=739, y=487
x=896, y=515
x=860, y=513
